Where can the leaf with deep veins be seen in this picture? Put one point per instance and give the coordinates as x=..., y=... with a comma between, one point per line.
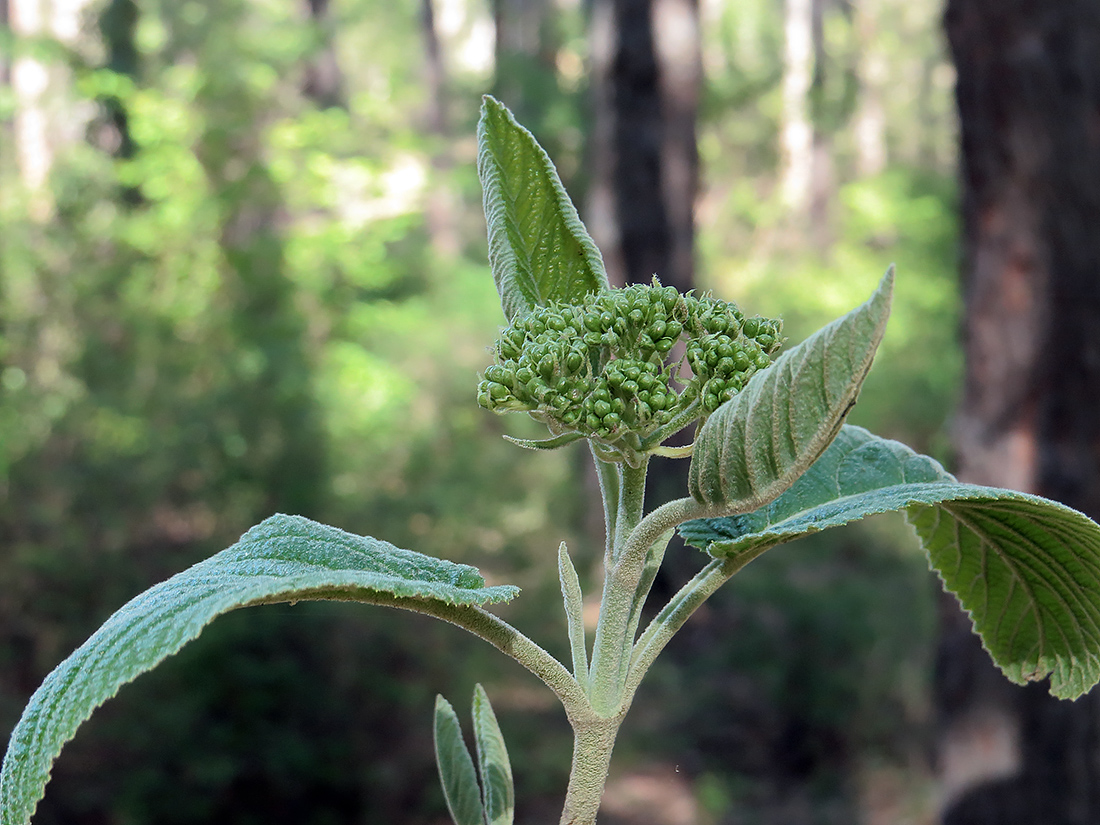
x=1026, y=569
x=756, y=444
x=285, y=558
x=539, y=250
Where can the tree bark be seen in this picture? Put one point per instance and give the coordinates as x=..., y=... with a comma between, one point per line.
x=647, y=72
x=1029, y=104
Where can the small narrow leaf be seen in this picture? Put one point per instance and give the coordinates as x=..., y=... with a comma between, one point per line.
x=1026, y=569
x=498, y=793
x=757, y=443
x=539, y=250
x=456, y=767
x=285, y=558
x=546, y=443
x=574, y=613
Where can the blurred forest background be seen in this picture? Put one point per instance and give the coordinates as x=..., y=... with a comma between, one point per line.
x=243, y=270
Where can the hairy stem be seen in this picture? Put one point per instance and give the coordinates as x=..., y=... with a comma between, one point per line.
x=482, y=624
x=609, y=651
x=593, y=741
x=678, y=610
x=608, y=475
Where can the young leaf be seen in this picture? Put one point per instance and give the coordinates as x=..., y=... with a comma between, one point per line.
x=1026, y=569
x=574, y=613
x=498, y=794
x=858, y=475
x=756, y=444
x=456, y=768
x=285, y=558
x=539, y=250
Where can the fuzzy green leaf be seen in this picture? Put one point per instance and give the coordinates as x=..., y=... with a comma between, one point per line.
x=286, y=558
x=539, y=250
x=456, y=767
x=1026, y=569
x=498, y=793
x=858, y=475
x=756, y=444
x=547, y=443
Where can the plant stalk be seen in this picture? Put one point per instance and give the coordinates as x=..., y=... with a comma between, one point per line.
x=593, y=741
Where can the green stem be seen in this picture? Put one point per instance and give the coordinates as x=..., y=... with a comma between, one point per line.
x=653, y=560
x=630, y=504
x=678, y=610
x=609, y=651
x=608, y=475
x=482, y=624
x=593, y=741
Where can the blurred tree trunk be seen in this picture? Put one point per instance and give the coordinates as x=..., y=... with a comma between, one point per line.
x=1029, y=104
x=43, y=120
x=646, y=76
x=324, y=80
x=797, y=138
x=870, y=118
x=647, y=72
x=435, y=69
x=29, y=84
x=525, y=53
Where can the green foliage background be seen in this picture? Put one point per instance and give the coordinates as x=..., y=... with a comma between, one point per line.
x=245, y=301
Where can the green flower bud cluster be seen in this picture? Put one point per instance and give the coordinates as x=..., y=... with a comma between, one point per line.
x=606, y=369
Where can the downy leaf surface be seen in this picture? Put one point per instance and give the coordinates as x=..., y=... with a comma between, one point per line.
x=756, y=444
x=1026, y=569
x=285, y=558
x=539, y=250
x=498, y=793
x=456, y=767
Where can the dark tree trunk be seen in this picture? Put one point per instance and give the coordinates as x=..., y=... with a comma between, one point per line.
x=434, y=69
x=324, y=80
x=1029, y=104
x=641, y=209
x=646, y=96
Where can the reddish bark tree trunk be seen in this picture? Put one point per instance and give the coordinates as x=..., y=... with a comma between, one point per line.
x=1029, y=104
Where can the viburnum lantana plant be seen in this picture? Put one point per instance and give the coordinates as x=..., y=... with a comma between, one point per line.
x=625, y=370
